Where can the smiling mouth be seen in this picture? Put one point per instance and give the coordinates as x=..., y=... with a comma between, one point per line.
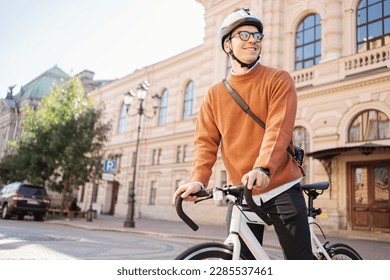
x=251, y=49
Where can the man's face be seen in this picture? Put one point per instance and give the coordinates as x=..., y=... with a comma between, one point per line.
x=246, y=51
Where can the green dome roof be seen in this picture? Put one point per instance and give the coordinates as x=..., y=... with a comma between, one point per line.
x=42, y=85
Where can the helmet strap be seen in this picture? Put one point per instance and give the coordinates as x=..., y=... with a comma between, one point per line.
x=243, y=64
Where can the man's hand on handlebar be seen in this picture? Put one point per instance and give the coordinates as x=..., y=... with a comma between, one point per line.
x=255, y=179
x=185, y=191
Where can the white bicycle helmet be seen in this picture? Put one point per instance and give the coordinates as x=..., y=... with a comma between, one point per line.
x=236, y=19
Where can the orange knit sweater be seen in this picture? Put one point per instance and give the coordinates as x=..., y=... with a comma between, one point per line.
x=271, y=95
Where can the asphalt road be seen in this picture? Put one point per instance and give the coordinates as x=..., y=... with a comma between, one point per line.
x=29, y=240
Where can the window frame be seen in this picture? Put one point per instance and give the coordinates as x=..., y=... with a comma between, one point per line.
x=162, y=118
x=122, y=119
x=355, y=133
x=365, y=9
x=301, y=42
x=188, y=100
x=301, y=138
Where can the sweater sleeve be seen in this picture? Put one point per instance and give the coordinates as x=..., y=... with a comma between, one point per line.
x=206, y=143
x=279, y=124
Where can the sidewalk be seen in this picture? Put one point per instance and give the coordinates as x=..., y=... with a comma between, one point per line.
x=144, y=226
x=175, y=229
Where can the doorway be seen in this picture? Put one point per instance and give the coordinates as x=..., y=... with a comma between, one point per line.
x=114, y=196
x=370, y=200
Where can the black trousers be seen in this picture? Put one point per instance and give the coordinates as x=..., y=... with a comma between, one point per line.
x=289, y=216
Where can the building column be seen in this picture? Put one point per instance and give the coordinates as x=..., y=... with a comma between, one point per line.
x=333, y=32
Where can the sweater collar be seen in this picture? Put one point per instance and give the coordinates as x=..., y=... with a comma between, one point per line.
x=249, y=74
x=250, y=69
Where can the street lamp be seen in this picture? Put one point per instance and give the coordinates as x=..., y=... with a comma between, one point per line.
x=140, y=94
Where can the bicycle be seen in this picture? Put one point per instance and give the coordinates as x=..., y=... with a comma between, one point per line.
x=244, y=214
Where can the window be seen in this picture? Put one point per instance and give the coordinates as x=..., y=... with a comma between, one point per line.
x=308, y=42
x=179, y=153
x=122, y=119
x=301, y=138
x=182, y=153
x=156, y=156
x=372, y=24
x=162, y=120
x=153, y=192
x=369, y=125
x=188, y=100
x=185, y=153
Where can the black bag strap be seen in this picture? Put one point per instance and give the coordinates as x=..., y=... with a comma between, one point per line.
x=247, y=110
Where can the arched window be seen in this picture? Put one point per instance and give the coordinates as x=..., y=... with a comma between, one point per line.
x=372, y=24
x=162, y=120
x=122, y=119
x=369, y=125
x=188, y=100
x=308, y=42
x=301, y=138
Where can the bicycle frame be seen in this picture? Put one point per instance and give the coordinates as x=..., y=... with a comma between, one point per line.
x=242, y=219
x=239, y=227
x=316, y=246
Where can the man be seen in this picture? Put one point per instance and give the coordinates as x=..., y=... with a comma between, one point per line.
x=253, y=155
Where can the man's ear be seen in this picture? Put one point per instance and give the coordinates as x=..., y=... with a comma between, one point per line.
x=227, y=46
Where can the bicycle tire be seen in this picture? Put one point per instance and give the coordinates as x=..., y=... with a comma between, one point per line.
x=207, y=251
x=340, y=251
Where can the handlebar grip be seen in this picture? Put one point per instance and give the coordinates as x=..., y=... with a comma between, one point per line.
x=183, y=216
x=255, y=208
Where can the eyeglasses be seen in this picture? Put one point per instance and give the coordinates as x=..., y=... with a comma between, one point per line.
x=245, y=35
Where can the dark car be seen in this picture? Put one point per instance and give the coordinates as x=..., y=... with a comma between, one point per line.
x=23, y=199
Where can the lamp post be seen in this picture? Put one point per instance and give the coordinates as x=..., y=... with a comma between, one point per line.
x=94, y=187
x=140, y=94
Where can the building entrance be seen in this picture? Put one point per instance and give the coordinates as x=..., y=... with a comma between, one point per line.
x=114, y=196
x=370, y=201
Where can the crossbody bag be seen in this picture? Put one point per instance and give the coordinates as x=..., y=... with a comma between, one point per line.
x=298, y=153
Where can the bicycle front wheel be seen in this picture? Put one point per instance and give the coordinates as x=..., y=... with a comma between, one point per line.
x=207, y=251
x=341, y=251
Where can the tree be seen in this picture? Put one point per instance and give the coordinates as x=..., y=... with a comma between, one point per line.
x=60, y=141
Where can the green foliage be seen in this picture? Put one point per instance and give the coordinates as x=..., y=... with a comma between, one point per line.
x=11, y=169
x=63, y=104
x=61, y=141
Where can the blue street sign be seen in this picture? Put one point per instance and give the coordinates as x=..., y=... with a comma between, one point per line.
x=109, y=166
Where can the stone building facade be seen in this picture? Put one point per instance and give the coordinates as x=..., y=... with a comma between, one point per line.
x=338, y=53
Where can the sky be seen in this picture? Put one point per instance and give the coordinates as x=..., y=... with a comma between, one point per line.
x=112, y=38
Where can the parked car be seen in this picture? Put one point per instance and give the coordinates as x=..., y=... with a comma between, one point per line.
x=23, y=199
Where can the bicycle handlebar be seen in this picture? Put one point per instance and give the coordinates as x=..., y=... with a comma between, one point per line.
x=184, y=216
x=255, y=208
x=209, y=193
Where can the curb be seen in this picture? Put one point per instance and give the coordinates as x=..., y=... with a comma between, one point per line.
x=154, y=233
x=141, y=232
